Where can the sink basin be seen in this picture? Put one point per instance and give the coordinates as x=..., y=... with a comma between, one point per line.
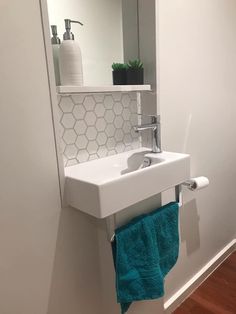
x=105, y=186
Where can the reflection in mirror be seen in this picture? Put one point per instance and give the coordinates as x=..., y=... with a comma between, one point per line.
x=109, y=34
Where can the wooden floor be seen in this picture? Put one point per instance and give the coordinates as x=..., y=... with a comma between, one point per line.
x=217, y=295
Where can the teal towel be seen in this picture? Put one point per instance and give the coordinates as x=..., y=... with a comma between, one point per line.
x=144, y=251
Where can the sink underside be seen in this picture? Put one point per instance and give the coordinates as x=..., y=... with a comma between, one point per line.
x=105, y=186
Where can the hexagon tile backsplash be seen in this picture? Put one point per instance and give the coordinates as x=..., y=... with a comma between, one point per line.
x=97, y=125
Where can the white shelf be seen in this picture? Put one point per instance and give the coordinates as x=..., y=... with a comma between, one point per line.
x=102, y=89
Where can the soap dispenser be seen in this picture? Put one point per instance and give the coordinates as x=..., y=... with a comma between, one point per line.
x=70, y=58
x=55, y=40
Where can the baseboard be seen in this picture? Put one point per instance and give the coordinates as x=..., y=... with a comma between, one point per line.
x=171, y=304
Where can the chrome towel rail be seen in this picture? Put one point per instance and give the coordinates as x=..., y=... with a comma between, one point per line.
x=193, y=184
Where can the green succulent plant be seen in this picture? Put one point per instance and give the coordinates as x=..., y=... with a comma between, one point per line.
x=135, y=64
x=119, y=66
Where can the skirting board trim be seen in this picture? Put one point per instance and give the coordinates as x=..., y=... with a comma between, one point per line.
x=172, y=303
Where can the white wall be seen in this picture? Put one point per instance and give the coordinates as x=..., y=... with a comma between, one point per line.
x=198, y=107
x=197, y=49
x=101, y=37
x=29, y=189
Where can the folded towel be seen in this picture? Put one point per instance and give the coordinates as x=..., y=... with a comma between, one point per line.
x=166, y=221
x=144, y=251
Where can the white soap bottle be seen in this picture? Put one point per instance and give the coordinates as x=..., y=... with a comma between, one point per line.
x=70, y=58
x=55, y=40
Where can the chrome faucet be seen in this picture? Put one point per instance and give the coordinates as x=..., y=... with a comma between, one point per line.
x=155, y=126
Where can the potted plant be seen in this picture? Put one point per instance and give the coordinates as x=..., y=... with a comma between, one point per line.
x=135, y=73
x=119, y=73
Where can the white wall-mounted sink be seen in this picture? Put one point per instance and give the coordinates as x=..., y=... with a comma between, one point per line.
x=105, y=186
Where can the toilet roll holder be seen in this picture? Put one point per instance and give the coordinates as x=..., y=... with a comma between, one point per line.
x=191, y=184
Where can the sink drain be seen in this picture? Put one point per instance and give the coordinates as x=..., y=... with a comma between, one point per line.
x=146, y=163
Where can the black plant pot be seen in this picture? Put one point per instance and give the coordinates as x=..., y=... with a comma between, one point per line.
x=119, y=77
x=135, y=76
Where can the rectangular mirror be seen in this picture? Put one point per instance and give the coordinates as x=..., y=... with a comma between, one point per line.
x=109, y=34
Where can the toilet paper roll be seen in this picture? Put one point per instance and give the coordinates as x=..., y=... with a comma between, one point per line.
x=198, y=183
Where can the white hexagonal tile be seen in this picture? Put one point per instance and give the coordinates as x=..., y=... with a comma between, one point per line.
x=133, y=106
x=119, y=135
x=66, y=104
x=127, y=139
x=102, y=151
x=101, y=138
x=111, y=152
x=91, y=133
x=92, y=147
x=70, y=151
x=109, y=116
x=80, y=127
x=89, y=103
x=69, y=136
x=120, y=147
x=60, y=113
x=125, y=100
x=68, y=121
x=93, y=157
x=81, y=141
x=99, y=97
x=90, y=118
x=110, y=130
x=136, y=144
x=104, y=126
x=134, y=134
x=79, y=112
x=110, y=143
x=118, y=108
x=61, y=130
x=100, y=124
x=108, y=102
x=128, y=148
x=78, y=98
x=117, y=96
x=71, y=162
x=133, y=96
x=83, y=155
x=118, y=122
x=99, y=110
x=65, y=160
x=126, y=114
x=134, y=119
x=62, y=146
x=127, y=127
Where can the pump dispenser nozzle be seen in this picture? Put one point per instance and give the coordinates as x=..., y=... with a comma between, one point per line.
x=55, y=40
x=68, y=35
